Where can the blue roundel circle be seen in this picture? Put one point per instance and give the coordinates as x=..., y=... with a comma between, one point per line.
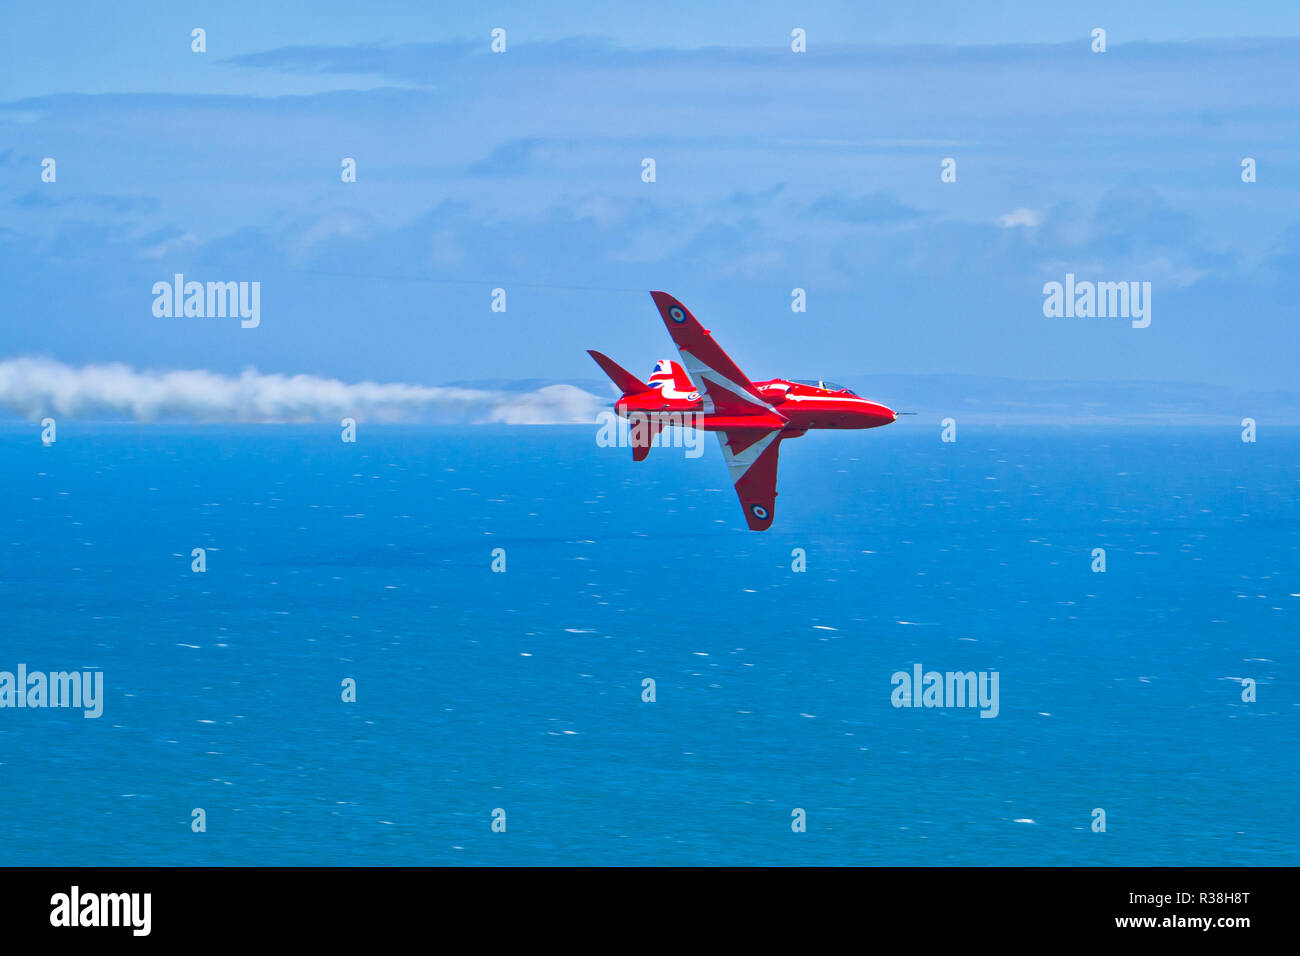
x=676, y=314
x=759, y=512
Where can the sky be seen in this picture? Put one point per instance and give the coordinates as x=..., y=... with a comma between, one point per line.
x=774, y=171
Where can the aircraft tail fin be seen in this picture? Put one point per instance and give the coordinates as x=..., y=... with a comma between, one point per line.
x=621, y=377
x=671, y=380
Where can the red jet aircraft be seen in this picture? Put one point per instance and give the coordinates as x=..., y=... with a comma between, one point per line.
x=751, y=418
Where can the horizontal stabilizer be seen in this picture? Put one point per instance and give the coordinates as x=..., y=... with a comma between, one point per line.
x=621, y=377
x=641, y=433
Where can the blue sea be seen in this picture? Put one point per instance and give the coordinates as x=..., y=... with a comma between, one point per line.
x=522, y=690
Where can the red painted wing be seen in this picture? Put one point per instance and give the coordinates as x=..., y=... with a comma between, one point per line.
x=726, y=389
x=751, y=456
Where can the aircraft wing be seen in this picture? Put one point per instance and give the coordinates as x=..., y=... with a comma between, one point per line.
x=725, y=388
x=751, y=455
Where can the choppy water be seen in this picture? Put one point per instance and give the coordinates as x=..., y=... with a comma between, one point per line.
x=523, y=690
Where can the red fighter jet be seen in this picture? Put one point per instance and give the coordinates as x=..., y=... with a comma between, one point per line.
x=751, y=418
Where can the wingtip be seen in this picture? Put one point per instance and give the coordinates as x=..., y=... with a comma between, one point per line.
x=666, y=302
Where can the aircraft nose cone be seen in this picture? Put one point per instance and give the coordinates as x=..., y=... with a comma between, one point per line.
x=880, y=415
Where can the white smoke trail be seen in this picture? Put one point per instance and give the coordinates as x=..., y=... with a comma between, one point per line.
x=35, y=387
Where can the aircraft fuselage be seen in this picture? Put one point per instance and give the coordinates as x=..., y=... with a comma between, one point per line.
x=795, y=407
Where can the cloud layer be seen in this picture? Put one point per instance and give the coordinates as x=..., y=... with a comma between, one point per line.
x=775, y=171
x=35, y=387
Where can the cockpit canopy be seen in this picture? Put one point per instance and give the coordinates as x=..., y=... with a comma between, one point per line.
x=822, y=383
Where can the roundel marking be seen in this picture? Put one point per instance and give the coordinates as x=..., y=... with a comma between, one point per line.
x=759, y=512
x=676, y=314
x=694, y=396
